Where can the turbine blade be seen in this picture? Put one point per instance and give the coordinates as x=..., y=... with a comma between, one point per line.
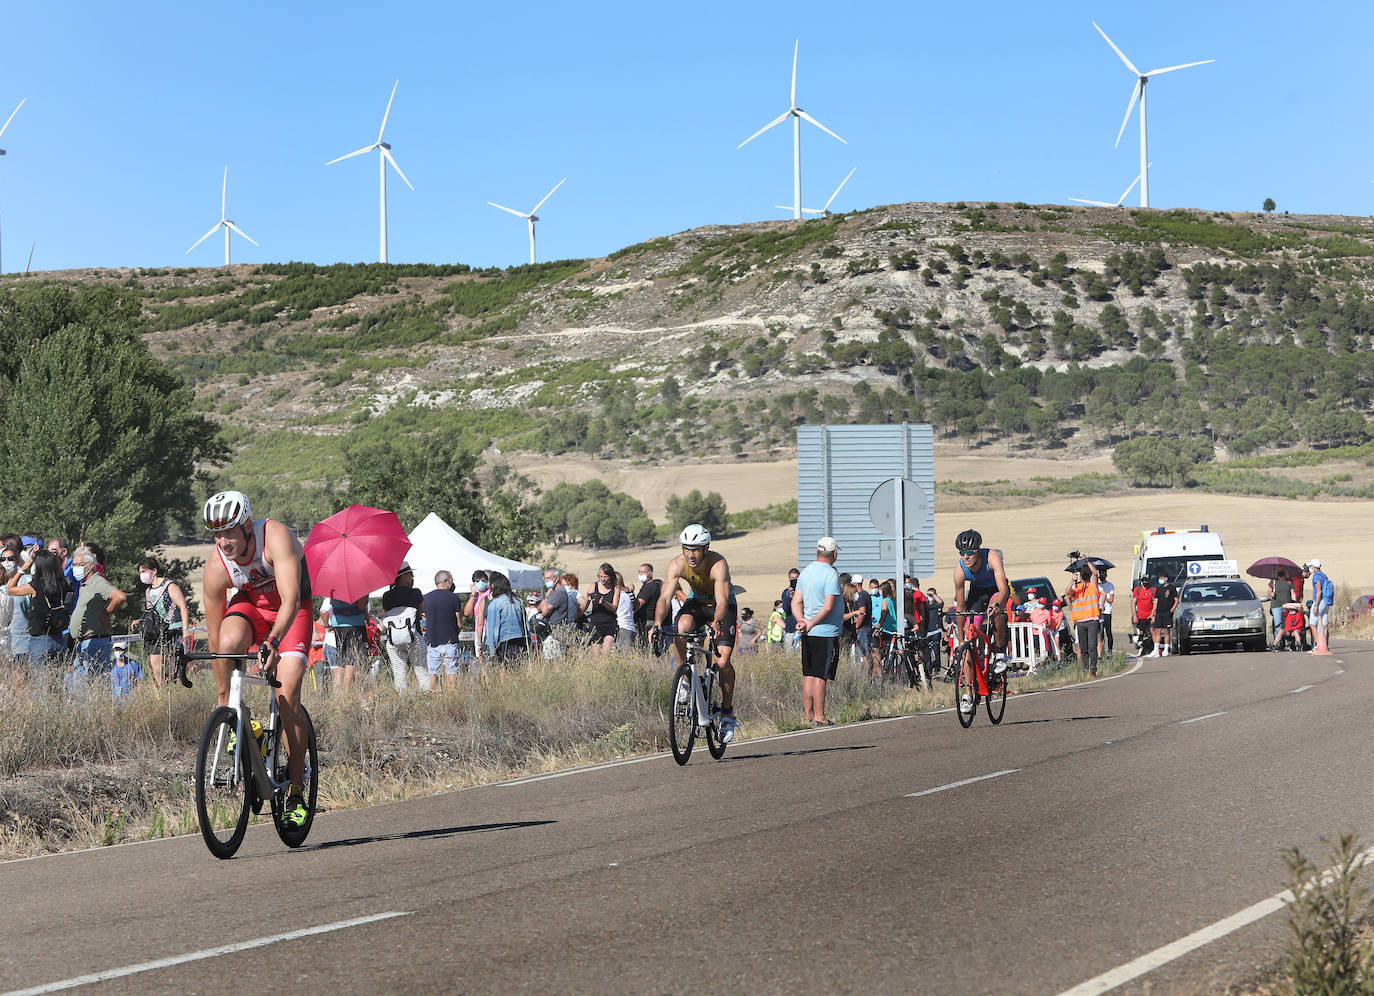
x=776, y=121
x=367, y=148
x=207, y=235
x=795, y=48
x=11, y=117
x=388, y=110
x=837, y=190
x=32, y=246
x=1186, y=65
x=1101, y=204
x=1135, y=92
x=807, y=117
x=224, y=196
x=560, y=183
x=235, y=228
x=392, y=159
x=1127, y=192
x=518, y=214
x=812, y=211
x=1117, y=50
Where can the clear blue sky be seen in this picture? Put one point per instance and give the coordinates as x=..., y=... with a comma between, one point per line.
x=135, y=109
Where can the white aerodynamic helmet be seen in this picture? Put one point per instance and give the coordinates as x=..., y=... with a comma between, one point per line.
x=695, y=535
x=226, y=510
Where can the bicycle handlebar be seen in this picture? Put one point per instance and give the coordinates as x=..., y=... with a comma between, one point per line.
x=207, y=656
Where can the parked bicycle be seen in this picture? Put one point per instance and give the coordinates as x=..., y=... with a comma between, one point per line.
x=696, y=698
x=970, y=661
x=242, y=764
x=902, y=661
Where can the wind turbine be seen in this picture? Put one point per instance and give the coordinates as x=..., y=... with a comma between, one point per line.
x=1124, y=194
x=825, y=210
x=796, y=114
x=386, y=157
x=9, y=119
x=224, y=221
x=33, y=245
x=1139, y=91
x=530, y=215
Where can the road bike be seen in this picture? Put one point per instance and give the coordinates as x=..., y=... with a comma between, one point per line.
x=242, y=764
x=903, y=660
x=992, y=689
x=696, y=698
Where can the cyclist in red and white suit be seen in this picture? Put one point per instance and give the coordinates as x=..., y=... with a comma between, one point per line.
x=270, y=609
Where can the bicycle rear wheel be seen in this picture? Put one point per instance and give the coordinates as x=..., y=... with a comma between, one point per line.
x=713, y=702
x=997, y=699
x=222, y=802
x=964, y=687
x=290, y=834
x=682, y=718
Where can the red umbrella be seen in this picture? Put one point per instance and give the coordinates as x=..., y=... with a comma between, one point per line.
x=1266, y=566
x=355, y=552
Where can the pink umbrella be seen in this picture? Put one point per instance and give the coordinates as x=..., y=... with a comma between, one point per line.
x=355, y=552
x=1266, y=567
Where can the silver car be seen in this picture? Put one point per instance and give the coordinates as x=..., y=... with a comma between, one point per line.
x=1218, y=612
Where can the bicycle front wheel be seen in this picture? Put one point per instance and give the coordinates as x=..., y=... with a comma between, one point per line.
x=290, y=834
x=682, y=715
x=714, y=744
x=965, y=691
x=997, y=700
x=221, y=785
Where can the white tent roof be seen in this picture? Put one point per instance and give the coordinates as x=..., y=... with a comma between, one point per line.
x=437, y=546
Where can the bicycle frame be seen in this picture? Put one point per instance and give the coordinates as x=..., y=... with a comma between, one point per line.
x=262, y=779
x=702, y=678
x=978, y=638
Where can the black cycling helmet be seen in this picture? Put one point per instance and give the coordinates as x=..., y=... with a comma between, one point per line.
x=968, y=541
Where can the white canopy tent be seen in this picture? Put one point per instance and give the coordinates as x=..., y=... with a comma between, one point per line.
x=437, y=546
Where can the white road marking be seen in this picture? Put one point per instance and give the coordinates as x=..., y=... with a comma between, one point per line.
x=1199, y=719
x=960, y=784
x=150, y=966
x=1170, y=952
x=1302, y=689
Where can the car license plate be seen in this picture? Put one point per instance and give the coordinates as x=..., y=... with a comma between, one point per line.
x=1226, y=624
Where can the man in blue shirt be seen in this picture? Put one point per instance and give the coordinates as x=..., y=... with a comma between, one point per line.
x=818, y=608
x=1323, y=597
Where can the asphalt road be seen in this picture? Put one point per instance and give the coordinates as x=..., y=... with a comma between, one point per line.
x=1124, y=815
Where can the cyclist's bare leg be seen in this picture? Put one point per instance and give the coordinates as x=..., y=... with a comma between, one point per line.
x=727, y=677
x=290, y=671
x=235, y=637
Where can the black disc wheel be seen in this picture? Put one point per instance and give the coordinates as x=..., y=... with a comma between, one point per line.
x=714, y=744
x=997, y=698
x=965, y=691
x=222, y=802
x=682, y=715
x=292, y=834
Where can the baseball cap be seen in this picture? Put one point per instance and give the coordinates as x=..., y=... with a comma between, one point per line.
x=858, y=579
x=1316, y=562
x=827, y=544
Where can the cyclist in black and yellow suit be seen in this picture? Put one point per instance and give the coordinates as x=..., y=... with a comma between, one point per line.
x=711, y=599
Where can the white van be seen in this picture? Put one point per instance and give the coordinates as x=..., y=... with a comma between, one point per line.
x=1169, y=550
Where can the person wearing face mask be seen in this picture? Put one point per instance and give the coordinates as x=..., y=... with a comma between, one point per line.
x=476, y=610
x=49, y=605
x=650, y=588
x=90, y=623
x=9, y=562
x=402, y=608
x=165, y=614
x=554, y=613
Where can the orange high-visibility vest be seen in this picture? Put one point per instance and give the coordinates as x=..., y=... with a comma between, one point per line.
x=1086, y=602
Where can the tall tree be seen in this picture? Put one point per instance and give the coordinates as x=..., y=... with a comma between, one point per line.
x=102, y=436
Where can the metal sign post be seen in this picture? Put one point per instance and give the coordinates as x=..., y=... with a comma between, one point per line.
x=898, y=507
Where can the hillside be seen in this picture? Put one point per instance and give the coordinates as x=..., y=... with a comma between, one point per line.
x=1045, y=328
